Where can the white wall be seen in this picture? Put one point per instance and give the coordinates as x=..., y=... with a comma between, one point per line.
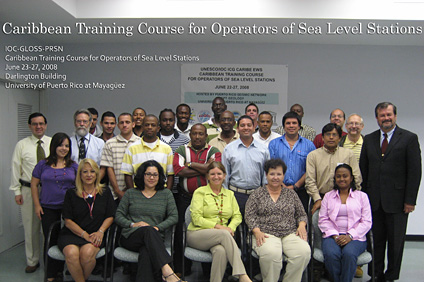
x=321, y=78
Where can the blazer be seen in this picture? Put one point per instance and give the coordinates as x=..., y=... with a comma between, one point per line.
x=393, y=179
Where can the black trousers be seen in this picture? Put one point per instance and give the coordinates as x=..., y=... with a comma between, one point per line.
x=183, y=201
x=152, y=252
x=49, y=217
x=388, y=228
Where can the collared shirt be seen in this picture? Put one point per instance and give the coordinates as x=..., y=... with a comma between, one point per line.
x=320, y=167
x=185, y=132
x=211, y=129
x=294, y=158
x=177, y=140
x=359, y=219
x=220, y=143
x=139, y=152
x=93, y=147
x=306, y=131
x=389, y=135
x=356, y=147
x=280, y=218
x=24, y=159
x=186, y=154
x=112, y=155
x=204, y=213
x=271, y=137
x=245, y=165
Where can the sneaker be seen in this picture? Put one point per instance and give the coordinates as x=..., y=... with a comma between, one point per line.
x=359, y=273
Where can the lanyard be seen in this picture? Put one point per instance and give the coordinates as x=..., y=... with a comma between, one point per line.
x=90, y=207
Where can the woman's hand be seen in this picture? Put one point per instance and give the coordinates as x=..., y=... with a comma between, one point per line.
x=301, y=232
x=342, y=240
x=140, y=224
x=260, y=236
x=219, y=226
x=96, y=238
x=38, y=211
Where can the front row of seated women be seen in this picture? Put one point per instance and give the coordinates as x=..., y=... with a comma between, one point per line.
x=274, y=215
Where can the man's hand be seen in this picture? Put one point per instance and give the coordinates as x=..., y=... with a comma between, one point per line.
x=407, y=208
x=316, y=206
x=19, y=200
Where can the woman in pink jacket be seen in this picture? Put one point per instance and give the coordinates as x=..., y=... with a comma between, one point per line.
x=344, y=219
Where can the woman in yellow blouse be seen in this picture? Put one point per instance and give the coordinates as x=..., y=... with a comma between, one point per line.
x=215, y=216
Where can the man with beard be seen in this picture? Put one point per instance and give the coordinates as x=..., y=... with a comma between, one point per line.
x=95, y=129
x=391, y=167
x=84, y=144
x=170, y=136
x=228, y=134
x=183, y=114
x=138, y=117
x=213, y=125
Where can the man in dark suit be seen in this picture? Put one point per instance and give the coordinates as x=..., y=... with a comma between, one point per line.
x=391, y=169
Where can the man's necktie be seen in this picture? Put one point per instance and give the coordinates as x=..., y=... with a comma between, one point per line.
x=384, y=144
x=82, y=150
x=41, y=155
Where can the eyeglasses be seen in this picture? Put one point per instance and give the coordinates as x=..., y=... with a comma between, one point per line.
x=354, y=123
x=336, y=116
x=38, y=124
x=148, y=174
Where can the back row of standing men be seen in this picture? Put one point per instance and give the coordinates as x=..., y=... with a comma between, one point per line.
x=389, y=161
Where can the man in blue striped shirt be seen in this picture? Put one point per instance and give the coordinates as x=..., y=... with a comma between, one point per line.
x=293, y=150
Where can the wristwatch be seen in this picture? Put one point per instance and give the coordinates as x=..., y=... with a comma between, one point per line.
x=189, y=164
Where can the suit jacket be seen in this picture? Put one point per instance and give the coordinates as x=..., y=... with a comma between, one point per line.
x=393, y=179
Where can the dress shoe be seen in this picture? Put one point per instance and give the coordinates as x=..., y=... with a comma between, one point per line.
x=31, y=269
x=359, y=273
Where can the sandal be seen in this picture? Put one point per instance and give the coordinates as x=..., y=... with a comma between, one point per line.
x=172, y=274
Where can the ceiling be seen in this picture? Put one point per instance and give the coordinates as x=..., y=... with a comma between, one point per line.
x=286, y=21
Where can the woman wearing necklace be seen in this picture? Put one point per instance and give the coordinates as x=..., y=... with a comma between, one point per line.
x=344, y=219
x=145, y=213
x=277, y=219
x=88, y=211
x=57, y=174
x=215, y=216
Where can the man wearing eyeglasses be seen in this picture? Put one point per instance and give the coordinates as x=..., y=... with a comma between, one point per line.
x=354, y=139
x=83, y=143
x=27, y=153
x=338, y=117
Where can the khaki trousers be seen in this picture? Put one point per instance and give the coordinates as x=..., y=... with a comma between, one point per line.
x=271, y=252
x=32, y=226
x=223, y=248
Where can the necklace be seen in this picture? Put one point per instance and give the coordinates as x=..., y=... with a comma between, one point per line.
x=219, y=207
x=89, y=195
x=59, y=177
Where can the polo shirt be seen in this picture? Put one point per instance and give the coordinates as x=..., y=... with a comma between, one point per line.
x=220, y=144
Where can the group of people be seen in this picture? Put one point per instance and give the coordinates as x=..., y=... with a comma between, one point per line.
x=227, y=172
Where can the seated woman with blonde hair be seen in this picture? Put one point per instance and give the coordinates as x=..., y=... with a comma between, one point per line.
x=215, y=216
x=88, y=211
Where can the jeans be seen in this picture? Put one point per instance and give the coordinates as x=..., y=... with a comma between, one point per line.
x=341, y=261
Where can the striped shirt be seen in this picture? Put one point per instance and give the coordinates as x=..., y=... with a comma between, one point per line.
x=177, y=140
x=112, y=155
x=139, y=152
x=355, y=147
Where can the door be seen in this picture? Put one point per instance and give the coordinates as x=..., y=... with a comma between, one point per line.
x=15, y=107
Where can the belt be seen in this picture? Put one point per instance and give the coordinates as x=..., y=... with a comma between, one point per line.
x=239, y=190
x=25, y=183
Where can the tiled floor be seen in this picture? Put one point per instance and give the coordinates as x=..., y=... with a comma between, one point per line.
x=12, y=265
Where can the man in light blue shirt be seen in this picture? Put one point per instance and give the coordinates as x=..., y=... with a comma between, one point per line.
x=293, y=150
x=83, y=144
x=244, y=161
